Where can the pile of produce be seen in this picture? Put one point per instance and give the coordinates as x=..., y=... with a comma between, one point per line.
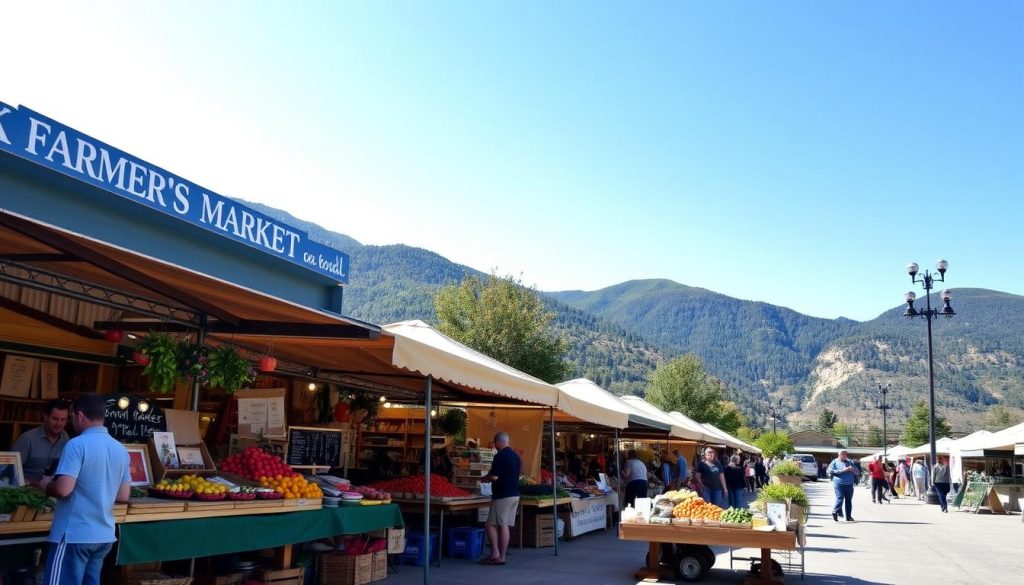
x=697, y=509
x=737, y=516
x=256, y=464
x=439, y=486
x=370, y=493
x=680, y=496
x=531, y=490
x=293, y=486
x=189, y=484
x=11, y=498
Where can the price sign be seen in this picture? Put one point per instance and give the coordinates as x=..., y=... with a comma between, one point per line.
x=314, y=447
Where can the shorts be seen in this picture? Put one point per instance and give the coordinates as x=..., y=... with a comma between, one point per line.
x=503, y=512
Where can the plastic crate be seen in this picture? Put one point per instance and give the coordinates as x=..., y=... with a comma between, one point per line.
x=416, y=549
x=466, y=543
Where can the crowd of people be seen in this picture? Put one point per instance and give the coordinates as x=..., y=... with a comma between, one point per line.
x=888, y=481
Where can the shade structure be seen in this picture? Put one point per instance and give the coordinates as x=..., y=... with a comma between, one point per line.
x=676, y=428
x=941, y=446
x=589, y=402
x=729, y=440
x=893, y=453
x=420, y=348
x=1004, y=440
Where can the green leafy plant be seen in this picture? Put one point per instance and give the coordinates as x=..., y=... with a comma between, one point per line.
x=362, y=400
x=786, y=469
x=194, y=362
x=228, y=369
x=782, y=493
x=164, y=354
x=11, y=498
x=452, y=422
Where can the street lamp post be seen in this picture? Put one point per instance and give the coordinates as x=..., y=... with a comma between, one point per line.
x=773, y=409
x=884, y=406
x=929, y=313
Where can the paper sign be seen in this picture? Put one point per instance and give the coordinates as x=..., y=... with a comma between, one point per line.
x=48, y=380
x=18, y=376
x=777, y=516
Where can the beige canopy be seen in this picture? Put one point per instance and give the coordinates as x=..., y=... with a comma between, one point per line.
x=587, y=401
x=676, y=428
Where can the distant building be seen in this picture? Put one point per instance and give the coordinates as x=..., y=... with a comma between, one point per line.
x=813, y=439
x=824, y=447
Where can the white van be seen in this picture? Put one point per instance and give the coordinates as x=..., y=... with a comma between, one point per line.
x=808, y=464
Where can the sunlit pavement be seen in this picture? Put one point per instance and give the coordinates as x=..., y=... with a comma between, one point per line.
x=905, y=542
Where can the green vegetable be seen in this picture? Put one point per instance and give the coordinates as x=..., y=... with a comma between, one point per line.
x=11, y=498
x=782, y=493
x=737, y=516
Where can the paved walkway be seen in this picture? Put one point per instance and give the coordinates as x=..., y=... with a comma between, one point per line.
x=905, y=542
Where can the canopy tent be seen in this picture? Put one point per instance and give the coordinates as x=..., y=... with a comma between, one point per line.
x=677, y=429
x=894, y=453
x=583, y=400
x=729, y=440
x=941, y=446
x=1004, y=440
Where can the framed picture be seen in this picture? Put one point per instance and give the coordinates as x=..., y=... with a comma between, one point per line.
x=191, y=458
x=165, y=449
x=138, y=464
x=11, y=472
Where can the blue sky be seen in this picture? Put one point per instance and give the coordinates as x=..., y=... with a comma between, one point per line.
x=798, y=153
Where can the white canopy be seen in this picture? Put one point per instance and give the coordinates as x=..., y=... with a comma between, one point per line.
x=729, y=440
x=894, y=453
x=687, y=422
x=587, y=401
x=421, y=348
x=676, y=429
x=1003, y=440
x=941, y=446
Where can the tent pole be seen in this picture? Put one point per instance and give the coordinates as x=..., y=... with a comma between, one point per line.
x=554, y=482
x=618, y=470
x=200, y=340
x=426, y=471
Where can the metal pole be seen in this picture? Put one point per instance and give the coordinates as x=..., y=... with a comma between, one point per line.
x=885, y=432
x=554, y=483
x=426, y=470
x=932, y=496
x=200, y=340
x=618, y=471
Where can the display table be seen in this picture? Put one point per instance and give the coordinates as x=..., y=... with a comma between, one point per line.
x=173, y=539
x=439, y=507
x=656, y=534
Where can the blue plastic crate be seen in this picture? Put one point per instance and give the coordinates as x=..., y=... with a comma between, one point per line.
x=467, y=543
x=416, y=551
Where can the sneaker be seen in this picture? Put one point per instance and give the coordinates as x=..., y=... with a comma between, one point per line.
x=850, y=519
x=835, y=517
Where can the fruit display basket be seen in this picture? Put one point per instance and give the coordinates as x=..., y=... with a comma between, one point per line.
x=171, y=495
x=269, y=495
x=210, y=497
x=242, y=497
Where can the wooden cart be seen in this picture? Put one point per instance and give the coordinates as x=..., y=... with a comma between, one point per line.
x=658, y=534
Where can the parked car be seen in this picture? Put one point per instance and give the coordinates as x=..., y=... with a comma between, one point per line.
x=808, y=464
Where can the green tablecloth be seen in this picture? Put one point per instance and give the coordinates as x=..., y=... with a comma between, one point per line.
x=168, y=540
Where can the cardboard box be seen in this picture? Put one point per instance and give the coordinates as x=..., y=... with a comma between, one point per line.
x=336, y=569
x=379, y=566
x=279, y=576
x=185, y=426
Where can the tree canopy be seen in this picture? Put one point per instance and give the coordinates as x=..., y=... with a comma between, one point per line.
x=826, y=421
x=774, y=444
x=505, y=320
x=682, y=384
x=915, y=431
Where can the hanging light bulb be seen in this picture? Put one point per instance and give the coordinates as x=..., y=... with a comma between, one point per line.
x=312, y=386
x=433, y=412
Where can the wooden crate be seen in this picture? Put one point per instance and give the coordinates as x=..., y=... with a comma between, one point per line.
x=279, y=576
x=538, y=531
x=380, y=566
x=231, y=579
x=336, y=569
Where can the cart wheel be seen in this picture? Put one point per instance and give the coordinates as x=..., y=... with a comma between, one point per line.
x=709, y=558
x=691, y=566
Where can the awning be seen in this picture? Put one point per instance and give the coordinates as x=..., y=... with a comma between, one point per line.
x=587, y=401
x=1004, y=440
x=729, y=440
x=941, y=446
x=677, y=429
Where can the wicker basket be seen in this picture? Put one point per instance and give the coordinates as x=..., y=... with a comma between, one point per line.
x=155, y=578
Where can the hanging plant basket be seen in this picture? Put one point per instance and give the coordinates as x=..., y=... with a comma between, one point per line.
x=228, y=369
x=163, y=368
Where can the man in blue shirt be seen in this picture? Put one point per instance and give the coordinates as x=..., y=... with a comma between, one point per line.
x=504, y=479
x=681, y=472
x=844, y=476
x=91, y=476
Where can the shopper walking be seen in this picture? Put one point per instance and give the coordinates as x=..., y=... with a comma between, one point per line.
x=749, y=475
x=735, y=480
x=920, y=475
x=91, y=476
x=761, y=472
x=504, y=480
x=877, y=471
x=712, y=477
x=844, y=477
x=634, y=475
x=940, y=479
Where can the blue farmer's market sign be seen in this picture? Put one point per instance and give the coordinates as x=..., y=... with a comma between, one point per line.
x=39, y=139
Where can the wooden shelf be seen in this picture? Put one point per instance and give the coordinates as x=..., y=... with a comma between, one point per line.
x=411, y=423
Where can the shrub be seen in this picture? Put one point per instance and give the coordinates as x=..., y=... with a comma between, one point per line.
x=786, y=468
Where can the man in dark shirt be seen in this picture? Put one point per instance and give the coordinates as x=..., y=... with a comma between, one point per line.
x=504, y=479
x=42, y=446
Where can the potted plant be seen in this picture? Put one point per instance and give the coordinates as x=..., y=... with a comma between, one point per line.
x=363, y=407
x=228, y=369
x=194, y=364
x=452, y=422
x=783, y=493
x=786, y=472
x=164, y=356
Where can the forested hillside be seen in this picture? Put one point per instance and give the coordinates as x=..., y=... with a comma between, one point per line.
x=617, y=336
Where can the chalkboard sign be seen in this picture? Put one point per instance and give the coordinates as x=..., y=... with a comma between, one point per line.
x=314, y=447
x=131, y=419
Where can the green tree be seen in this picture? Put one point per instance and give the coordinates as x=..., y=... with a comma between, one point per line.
x=682, y=385
x=826, y=421
x=774, y=444
x=874, y=437
x=505, y=320
x=915, y=431
x=999, y=417
x=747, y=434
x=729, y=417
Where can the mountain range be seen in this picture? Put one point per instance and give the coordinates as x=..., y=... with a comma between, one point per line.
x=762, y=352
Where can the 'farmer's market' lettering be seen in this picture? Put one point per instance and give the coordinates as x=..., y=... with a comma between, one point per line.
x=51, y=144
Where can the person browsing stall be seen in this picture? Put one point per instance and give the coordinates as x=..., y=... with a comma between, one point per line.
x=504, y=480
x=711, y=475
x=42, y=446
x=91, y=476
